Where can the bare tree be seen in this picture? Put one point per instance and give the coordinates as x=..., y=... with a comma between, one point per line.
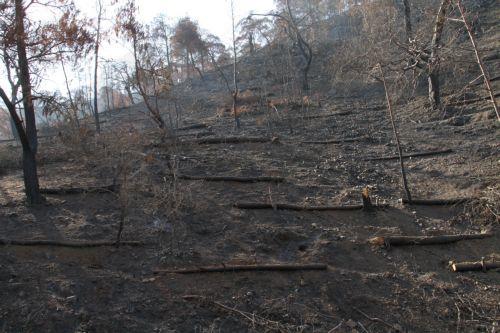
x=433, y=62
x=484, y=71
x=152, y=77
x=235, y=70
x=33, y=42
x=396, y=135
x=96, y=64
x=187, y=41
x=304, y=48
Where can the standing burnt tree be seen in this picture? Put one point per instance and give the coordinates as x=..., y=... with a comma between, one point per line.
x=152, y=76
x=97, y=44
x=235, y=70
x=29, y=43
x=300, y=44
x=433, y=63
x=186, y=43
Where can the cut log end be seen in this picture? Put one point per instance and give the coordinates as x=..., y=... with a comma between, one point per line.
x=483, y=266
x=367, y=202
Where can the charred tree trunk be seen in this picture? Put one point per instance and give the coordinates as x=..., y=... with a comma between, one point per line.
x=235, y=73
x=304, y=48
x=29, y=136
x=24, y=78
x=129, y=93
x=408, y=25
x=96, y=68
x=167, y=47
x=433, y=64
x=188, y=76
x=30, y=175
x=200, y=73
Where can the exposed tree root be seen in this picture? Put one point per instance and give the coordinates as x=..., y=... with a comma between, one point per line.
x=246, y=268
x=420, y=154
x=389, y=241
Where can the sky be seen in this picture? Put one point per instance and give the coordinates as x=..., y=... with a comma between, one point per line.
x=213, y=16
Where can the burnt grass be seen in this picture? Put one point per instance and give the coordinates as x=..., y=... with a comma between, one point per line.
x=192, y=223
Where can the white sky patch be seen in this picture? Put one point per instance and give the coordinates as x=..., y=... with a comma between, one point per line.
x=213, y=16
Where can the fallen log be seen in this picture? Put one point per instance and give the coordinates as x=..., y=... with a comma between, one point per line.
x=195, y=134
x=435, y=202
x=79, y=190
x=38, y=137
x=69, y=243
x=420, y=154
x=233, y=179
x=222, y=140
x=389, y=241
x=192, y=127
x=319, y=116
x=475, y=266
x=246, y=268
x=284, y=206
x=334, y=141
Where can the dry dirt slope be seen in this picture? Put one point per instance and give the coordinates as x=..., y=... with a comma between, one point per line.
x=113, y=290
x=192, y=223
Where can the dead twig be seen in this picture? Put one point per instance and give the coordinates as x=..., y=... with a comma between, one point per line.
x=251, y=317
x=378, y=320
